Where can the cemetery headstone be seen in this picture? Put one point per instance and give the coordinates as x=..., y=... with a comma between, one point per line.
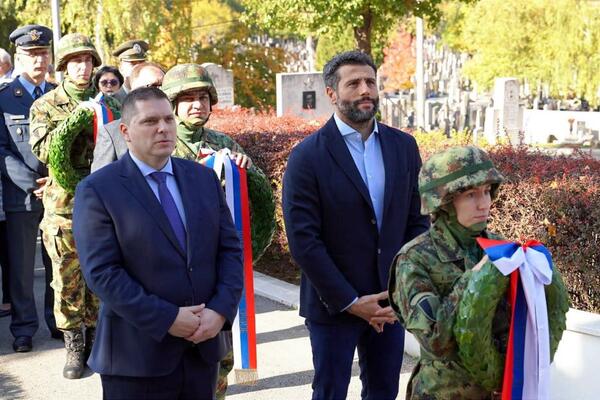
x=302, y=94
x=223, y=80
x=507, y=115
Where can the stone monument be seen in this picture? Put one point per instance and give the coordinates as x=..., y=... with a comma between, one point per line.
x=302, y=94
x=505, y=118
x=223, y=81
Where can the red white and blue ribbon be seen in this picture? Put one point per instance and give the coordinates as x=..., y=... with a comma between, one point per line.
x=244, y=326
x=102, y=113
x=527, y=366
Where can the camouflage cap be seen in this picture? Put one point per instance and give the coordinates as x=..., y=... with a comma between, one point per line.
x=73, y=44
x=184, y=77
x=452, y=170
x=132, y=50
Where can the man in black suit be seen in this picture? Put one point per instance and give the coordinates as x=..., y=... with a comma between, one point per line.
x=158, y=246
x=350, y=202
x=23, y=178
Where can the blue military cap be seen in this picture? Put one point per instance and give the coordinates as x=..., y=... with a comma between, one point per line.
x=31, y=37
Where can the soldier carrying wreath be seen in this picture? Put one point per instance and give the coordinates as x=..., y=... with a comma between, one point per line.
x=447, y=292
x=62, y=137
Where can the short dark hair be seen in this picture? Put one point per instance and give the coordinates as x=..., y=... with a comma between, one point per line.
x=128, y=109
x=353, y=57
x=104, y=70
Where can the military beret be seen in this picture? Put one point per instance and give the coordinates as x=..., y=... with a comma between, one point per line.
x=132, y=50
x=31, y=37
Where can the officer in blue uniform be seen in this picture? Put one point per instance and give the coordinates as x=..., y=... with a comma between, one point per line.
x=23, y=178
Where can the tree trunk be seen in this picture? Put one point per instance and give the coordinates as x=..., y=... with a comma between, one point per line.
x=98, y=31
x=362, y=34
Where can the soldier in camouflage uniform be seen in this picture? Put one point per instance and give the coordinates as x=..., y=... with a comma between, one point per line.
x=75, y=306
x=430, y=273
x=192, y=93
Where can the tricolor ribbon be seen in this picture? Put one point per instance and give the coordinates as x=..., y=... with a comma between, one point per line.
x=527, y=365
x=102, y=113
x=244, y=325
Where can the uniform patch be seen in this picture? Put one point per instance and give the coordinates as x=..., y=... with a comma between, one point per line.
x=428, y=304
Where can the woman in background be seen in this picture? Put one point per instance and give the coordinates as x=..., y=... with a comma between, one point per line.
x=108, y=80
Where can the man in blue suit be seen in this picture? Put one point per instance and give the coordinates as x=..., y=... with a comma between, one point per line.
x=158, y=247
x=350, y=202
x=23, y=177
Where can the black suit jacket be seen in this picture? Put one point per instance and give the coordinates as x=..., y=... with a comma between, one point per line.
x=330, y=221
x=132, y=261
x=20, y=168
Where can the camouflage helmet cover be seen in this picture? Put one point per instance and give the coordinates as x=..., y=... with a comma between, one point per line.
x=454, y=169
x=73, y=44
x=184, y=77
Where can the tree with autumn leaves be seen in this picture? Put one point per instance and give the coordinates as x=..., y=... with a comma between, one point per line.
x=370, y=20
x=547, y=43
x=399, y=63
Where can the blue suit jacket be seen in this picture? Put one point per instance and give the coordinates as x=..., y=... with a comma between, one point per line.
x=132, y=261
x=20, y=168
x=330, y=221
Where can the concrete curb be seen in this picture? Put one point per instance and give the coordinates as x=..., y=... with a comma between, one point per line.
x=289, y=295
x=277, y=290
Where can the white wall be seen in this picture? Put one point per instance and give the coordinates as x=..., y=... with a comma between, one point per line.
x=539, y=124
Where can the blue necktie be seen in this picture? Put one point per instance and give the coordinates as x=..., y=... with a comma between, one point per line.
x=37, y=93
x=169, y=207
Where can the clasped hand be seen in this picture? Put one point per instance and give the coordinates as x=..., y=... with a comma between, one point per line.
x=197, y=323
x=368, y=308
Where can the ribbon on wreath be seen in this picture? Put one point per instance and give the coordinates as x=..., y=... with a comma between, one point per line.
x=244, y=325
x=102, y=113
x=527, y=365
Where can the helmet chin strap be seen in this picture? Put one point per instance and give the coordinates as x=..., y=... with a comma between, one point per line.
x=463, y=232
x=197, y=122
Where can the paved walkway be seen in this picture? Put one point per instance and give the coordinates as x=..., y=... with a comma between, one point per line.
x=284, y=357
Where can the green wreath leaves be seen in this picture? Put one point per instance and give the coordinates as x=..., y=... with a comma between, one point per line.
x=262, y=211
x=473, y=326
x=59, y=157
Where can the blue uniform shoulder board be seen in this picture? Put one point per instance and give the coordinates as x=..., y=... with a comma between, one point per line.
x=4, y=86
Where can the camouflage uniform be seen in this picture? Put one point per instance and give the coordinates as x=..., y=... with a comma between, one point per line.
x=203, y=138
x=430, y=273
x=192, y=138
x=74, y=302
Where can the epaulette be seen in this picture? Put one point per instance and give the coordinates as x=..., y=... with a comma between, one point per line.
x=423, y=237
x=4, y=85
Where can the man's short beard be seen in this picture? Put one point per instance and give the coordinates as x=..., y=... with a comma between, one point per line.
x=353, y=113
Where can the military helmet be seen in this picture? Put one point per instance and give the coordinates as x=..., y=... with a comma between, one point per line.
x=452, y=170
x=185, y=77
x=72, y=44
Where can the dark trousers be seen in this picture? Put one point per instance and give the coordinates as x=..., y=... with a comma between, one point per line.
x=379, y=357
x=192, y=379
x=4, y=263
x=48, y=291
x=23, y=229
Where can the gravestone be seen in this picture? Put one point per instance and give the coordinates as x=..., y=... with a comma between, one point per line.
x=223, y=80
x=507, y=115
x=302, y=94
